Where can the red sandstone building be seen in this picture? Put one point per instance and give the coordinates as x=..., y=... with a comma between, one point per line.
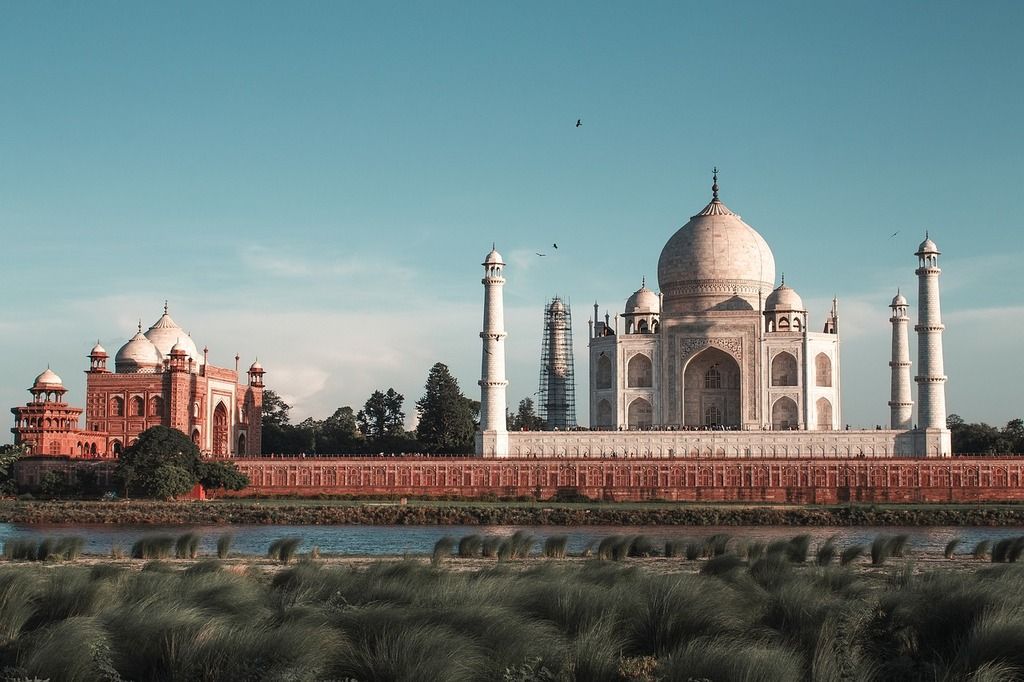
x=159, y=379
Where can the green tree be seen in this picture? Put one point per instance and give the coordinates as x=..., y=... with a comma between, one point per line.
x=164, y=463
x=525, y=418
x=339, y=433
x=382, y=415
x=445, y=415
x=275, y=409
x=279, y=434
x=9, y=454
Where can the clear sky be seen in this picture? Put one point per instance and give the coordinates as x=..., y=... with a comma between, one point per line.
x=317, y=183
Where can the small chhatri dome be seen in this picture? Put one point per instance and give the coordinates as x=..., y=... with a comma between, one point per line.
x=138, y=353
x=784, y=298
x=256, y=367
x=178, y=350
x=48, y=379
x=493, y=258
x=98, y=351
x=643, y=300
x=898, y=299
x=927, y=246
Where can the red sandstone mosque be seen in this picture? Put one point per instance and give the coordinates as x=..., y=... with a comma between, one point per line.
x=160, y=379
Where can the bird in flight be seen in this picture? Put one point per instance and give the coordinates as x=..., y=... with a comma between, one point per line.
x=540, y=254
x=894, y=234
x=579, y=122
x=555, y=245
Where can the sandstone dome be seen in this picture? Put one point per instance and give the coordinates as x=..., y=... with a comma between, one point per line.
x=138, y=354
x=784, y=298
x=643, y=300
x=715, y=257
x=165, y=334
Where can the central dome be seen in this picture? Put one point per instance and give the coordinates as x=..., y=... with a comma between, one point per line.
x=714, y=258
x=165, y=334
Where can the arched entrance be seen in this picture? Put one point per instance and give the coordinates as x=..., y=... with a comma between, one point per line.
x=824, y=409
x=220, y=430
x=639, y=414
x=711, y=389
x=784, y=414
x=241, y=445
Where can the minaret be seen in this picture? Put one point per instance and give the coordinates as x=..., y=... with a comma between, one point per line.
x=901, y=406
x=931, y=390
x=493, y=438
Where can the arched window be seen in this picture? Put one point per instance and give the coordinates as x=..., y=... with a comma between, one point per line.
x=136, y=406
x=796, y=324
x=784, y=414
x=604, y=372
x=604, y=414
x=241, y=444
x=195, y=436
x=824, y=409
x=713, y=378
x=116, y=406
x=641, y=327
x=640, y=413
x=822, y=370
x=784, y=370
x=783, y=324
x=639, y=372
x=156, y=406
x=115, y=447
x=712, y=415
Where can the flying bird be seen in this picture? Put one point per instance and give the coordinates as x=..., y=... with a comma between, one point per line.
x=894, y=234
x=555, y=245
x=579, y=122
x=540, y=254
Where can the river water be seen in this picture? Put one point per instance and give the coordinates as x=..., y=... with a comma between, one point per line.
x=356, y=540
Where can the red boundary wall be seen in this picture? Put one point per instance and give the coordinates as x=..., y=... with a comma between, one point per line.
x=960, y=479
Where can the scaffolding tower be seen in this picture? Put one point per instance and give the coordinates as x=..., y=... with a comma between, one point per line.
x=557, y=376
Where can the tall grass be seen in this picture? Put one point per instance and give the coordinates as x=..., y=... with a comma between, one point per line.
x=442, y=550
x=951, y=546
x=224, y=543
x=284, y=549
x=406, y=620
x=186, y=546
x=470, y=546
x=554, y=546
x=153, y=547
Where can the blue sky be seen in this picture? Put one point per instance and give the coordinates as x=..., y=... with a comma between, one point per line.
x=317, y=183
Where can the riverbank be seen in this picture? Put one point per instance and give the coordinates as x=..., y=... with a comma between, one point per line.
x=346, y=512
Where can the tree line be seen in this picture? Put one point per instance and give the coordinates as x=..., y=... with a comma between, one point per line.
x=981, y=439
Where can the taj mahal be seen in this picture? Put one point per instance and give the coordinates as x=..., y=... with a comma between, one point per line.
x=725, y=363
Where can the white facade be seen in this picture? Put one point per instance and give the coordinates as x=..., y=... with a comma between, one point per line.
x=723, y=348
x=492, y=441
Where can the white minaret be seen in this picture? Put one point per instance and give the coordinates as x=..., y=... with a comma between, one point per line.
x=931, y=380
x=901, y=405
x=493, y=438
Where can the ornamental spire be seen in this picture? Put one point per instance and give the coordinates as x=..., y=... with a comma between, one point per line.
x=714, y=186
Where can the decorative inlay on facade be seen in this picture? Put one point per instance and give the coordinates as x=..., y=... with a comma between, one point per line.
x=691, y=345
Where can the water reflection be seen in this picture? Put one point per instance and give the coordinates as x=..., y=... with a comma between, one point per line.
x=357, y=540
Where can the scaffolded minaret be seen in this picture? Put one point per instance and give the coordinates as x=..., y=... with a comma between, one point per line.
x=901, y=406
x=492, y=441
x=557, y=382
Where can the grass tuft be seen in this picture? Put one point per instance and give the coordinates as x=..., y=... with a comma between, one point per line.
x=442, y=550
x=224, y=543
x=186, y=546
x=153, y=547
x=554, y=546
x=283, y=550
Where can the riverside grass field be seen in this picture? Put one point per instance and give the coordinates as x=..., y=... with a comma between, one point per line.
x=487, y=608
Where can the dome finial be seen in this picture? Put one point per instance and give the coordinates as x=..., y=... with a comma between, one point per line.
x=783, y=279
x=643, y=281
x=165, y=306
x=714, y=185
x=140, y=325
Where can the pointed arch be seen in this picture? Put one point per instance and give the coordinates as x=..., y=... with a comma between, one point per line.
x=117, y=406
x=824, y=409
x=604, y=414
x=785, y=414
x=711, y=379
x=220, y=430
x=241, y=445
x=604, y=372
x=640, y=413
x=639, y=372
x=136, y=406
x=784, y=370
x=822, y=370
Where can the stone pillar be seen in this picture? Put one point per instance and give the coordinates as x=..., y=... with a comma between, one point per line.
x=931, y=381
x=901, y=405
x=492, y=441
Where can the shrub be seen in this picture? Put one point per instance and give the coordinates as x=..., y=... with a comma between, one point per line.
x=224, y=545
x=885, y=546
x=951, y=548
x=489, y=546
x=674, y=548
x=981, y=549
x=827, y=552
x=186, y=546
x=20, y=549
x=283, y=549
x=442, y=550
x=554, y=546
x=69, y=548
x=850, y=554
x=717, y=544
x=693, y=550
x=469, y=546
x=153, y=547
x=797, y=549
